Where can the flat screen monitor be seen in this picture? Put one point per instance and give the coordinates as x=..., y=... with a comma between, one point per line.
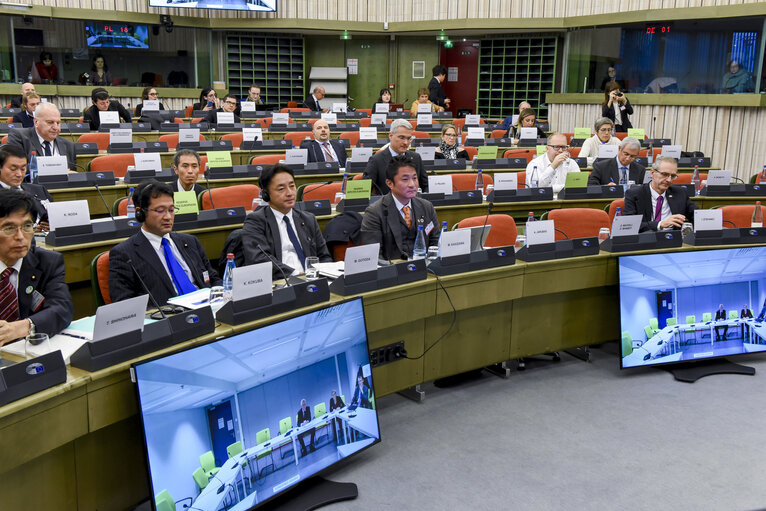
x=116, y=35
x=235, y=422
x=229, y=5
x=692, y=306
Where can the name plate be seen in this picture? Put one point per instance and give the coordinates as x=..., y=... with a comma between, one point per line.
x=358, y=188
x=252, y=280
x=378, y=119
x=296, y=156
x=280, y=118
x=361, y=154
x=339, y=107
x=475, y=133
x=708, y=220
x=506, y=181
x=582, y=133
x=717, y=177
x=424, y=108
x=426, y=153
x=636, y=133
x=219, y=159
x=527, y=133
x=626, y=225
x=247, y=106
x=457, y=242
x=360, y=259
x=472, y=119
x=540, y=232
x=440, y=184
x=249, y=134
x=225, y=117
x=68, y=213
x=120, y=136
x=188, y=135
x=148, y=161
x=674, y=151
x=607, y=151
x=425, y=119
x=185, y=202
x=119, y=318
x=52, y=165
x=330, y=118
x=368, y=133
x=486, y=152
x=109, y=117
x=151, y=105
x=382, y=108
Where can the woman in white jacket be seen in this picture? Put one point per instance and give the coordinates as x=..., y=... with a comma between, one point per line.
x=603, y=136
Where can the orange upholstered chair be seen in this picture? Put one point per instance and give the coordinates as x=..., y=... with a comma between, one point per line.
x=236, y=139
x=740, y=215
x=172, y=140
x=468, y=181
x=117, y=163
x=529, y=154
x=100, y=139
x=352, y=136
x=296, y=137
x=578, y=222
x=619, y=203
x=319, y=191
x=230, y=196
x=502, y=233
x=267, y=159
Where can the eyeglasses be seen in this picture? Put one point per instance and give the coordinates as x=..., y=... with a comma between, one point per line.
x=665, y=175
x=604, y=130
x=152, y=94
x=559, y=147
x=162, y=211
x=233, y=103
x=10, y=230
x=628, y=155
x=451, y=135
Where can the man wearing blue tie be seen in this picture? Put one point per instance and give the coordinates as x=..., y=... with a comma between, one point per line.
x=169, y=263
x=621, y=169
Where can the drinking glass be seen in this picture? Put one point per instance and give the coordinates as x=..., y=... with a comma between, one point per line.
x=311, y=268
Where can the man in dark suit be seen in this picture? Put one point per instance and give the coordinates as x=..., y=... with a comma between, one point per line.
x=44, y=138
x=744, y=314
x=304, y=416
x=720, y=315
x=663, y=206
x=186, y=164
x=287, y=235
x=400, y=138
x=170, y=263
x=312, y=102
x=393, y=220
x=229, y=105
x=34, y=296
x=615, y=170
x=26, y=118
x=323, y=148
x=16, y=101
x=101, y=103
x=436, y=94
x=13, y=168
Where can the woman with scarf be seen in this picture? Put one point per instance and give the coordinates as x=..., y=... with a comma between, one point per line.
x=449, y=148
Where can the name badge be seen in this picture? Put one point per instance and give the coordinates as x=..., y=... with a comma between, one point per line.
x=37, y=300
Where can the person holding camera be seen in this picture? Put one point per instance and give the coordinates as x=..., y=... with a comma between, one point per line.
x=616, y=107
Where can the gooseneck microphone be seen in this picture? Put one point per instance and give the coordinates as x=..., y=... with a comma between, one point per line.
x=317, y=188
x=209, y=190
x=486, y=218
x=146, y=289
x=108, y=209
x=562, y=232
x=275, y=263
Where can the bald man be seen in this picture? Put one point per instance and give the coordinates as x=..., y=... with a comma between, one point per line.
x=25, y=87
x=322, y=148
x=312, y=102
x=43, y=137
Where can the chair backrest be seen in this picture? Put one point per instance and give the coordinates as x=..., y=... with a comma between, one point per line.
x=267, y=159
x=707, y=316
x=739, y=215
x=178, y=120
x=574, y=152
x=733, y=314
x=296, y=137
x=352, y=136
x=319, y=191
x=420, y=134
x=164, y=501
x=472, y=152
x=189, y=111
x=498, y=133
x=671, y=322
x=319, y=410
x=368, y=111
x=207, y=461
x=294, y=109
x=172, y=139
x=285, y=425
x=686, y=178
x=529, y=154
x=656, y=151
x=200, y=478
x=120, y=207
x=230, y=196
x=338, y=250
x=649, y=332
x=99, y=279
x=578, y=222
x=234, y=449
x=627, y=344
x=503, y=231
x=236, y=139
x=117, y=163
x=621, y=134
x=619, y=203
x=691, y=319
x=100, y=139
x=521, y=178
x=292, y=104
x=468, y=181
x=263, y=435
x=654, y=323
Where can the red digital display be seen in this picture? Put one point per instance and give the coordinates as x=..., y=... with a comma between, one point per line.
x=658, y=29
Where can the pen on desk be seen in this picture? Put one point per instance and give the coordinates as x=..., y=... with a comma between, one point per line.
x=201, y=302
x=76, y=336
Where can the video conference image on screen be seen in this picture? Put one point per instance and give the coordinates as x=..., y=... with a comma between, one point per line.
x=232, y=423
x=689, y=306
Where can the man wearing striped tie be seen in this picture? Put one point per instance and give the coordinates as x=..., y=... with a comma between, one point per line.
x=322, y=148
x=34, y=296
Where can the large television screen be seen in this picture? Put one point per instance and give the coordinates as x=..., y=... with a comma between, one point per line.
x=692, y=305
x=233, y=5
x=232, y=423
x=116, y=35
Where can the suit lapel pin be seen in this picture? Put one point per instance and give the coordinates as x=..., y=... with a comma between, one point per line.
x=34, y=277
x=29, y=290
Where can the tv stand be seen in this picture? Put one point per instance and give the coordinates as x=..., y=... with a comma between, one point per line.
x=314, y=493
x=691, y=372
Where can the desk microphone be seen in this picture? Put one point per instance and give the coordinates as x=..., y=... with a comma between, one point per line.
x=207, y=181
x=486, y=218
x=730, y=222
x=275, y=263
x=316, y=188
x=562, y=232
x=146, y=289
x=108, y=209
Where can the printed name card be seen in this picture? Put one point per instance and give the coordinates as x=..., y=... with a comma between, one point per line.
x=607, y=151
x=148, y=161
x=219, y=159
x=296, y=156
x=674, y=151
x=360, y=259
x=426, y=153
x=454, y=243
x=576, y=180
x=647, y=176
x=379, y=119
x=424, y=108
x=358, y=188
x=440, y=184
x=368, y=133
x=252, y=134
x=188, y=135
x=582, y=133
x=120, y=136
x=68, y=213
x=361, y=154
x=247, y=106
x=109, y=117
x=382, y=108
x=425, y=119
x=225, y=117
x=185, y=202
x=330, y=118
x=250, y=281
x=527, y=133
x=708, y=220
x=636, y=133
x=475, y=133
x=540, y=149
x=472, y=120
x=540, y=232
x=626, y=225
x=151, y=105
x=339, y=107
x=487, y=152
x=280, y=118
x=52, y=165
x=715, y=177
x=505, y=181
x=120, y=318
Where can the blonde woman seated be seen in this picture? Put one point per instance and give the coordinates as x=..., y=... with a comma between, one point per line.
x=603, y=136
x=527, y=119
x=449, y=146
x=423, y=100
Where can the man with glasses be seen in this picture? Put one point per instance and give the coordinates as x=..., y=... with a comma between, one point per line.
x=170, y=263
x=662, y=204
x=34, y=296
x=13, y=169
x=229, y=104
x=622, y=169
x=102, y=103
x=554, y=164
x=400, y=138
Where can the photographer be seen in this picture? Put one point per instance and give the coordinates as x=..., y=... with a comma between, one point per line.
x=616, y=107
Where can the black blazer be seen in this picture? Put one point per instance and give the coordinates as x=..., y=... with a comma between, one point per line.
x=376, y=171
x=140, y=107
x=26, y=138
x=316, y=153
x=40, y=193
x=720, y=314
x=23, y=118
x=606, y=171
x=91, y=114
x=745, y=313
x=43, y=272
x=382, y=223
x=435, y=92
x=261, y=230
x=198, y=188
x=607, y=111
x=638, y=201
x=123, y=283
x=16, y=101
x=312, y=104
x=337, y=403
x=211, y=116
x=303, y=417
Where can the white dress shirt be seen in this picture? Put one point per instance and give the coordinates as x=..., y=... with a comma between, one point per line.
x=329, y=148
x=289, y=255
x=54, y=149
x=156, y=243
x=547, y=175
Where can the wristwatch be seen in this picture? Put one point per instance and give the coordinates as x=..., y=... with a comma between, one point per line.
x=32, y=329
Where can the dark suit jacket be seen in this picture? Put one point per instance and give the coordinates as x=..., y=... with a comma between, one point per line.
x=91, y=114
x=376, y=171
x=606, y=170
x=638, y=201
x=382, y=223
x=198, y=188
x=303, y=417
x=607, y=111
x=123, y=283
x=312, y=104
x=720, y=314
x=212, y=116
x=316, y=153
x=261, y=229
x=43, y=271
x=435, y=92
x=337, y=403
x=26, y=138
x=745, y=313
x=16, y=101
x=40, y=193
x=23, y=118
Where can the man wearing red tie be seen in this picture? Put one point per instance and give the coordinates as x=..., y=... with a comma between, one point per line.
x=322, y=148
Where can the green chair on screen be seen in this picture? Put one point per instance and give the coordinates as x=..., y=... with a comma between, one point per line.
x=654, y=325
x=319, y=410
x=649, y=332
x=371, y=399
x=671, y=322
x=627, y=344
x=285, y=425
x=262, y=436
x=207, y=462
x=236, y=449
x=200, y=478
x=733, y=314
x=706, y=316
x=689, y=320
x=166, y=503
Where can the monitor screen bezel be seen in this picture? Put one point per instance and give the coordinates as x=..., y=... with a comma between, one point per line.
x=269, y=322
x=160, y=5
x=91, y=23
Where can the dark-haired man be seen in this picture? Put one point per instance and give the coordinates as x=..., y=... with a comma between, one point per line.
x=170, y=263
x=186, y=163
x=400, y=138
x=393, y=220
x=436, y=94
x=228, y=105
x=34, y=296
x=284, y=233
x=13, y=168
x=101, y=103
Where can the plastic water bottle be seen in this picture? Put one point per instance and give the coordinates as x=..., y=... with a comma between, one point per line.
x=530, y=217
x=696, y=180
x=757, y=219
x=419, y=250
x=533, y=178
x=343, y=184
x=618, y=211
x=650, y=154
x=475, y=164
x=479, y=185
x=131, y=206
x=33, y=167
x=444, y=229
x=763, y=175
x=228, y=277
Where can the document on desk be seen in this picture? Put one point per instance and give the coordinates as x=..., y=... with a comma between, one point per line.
x=331, y=270
x=194, y=300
